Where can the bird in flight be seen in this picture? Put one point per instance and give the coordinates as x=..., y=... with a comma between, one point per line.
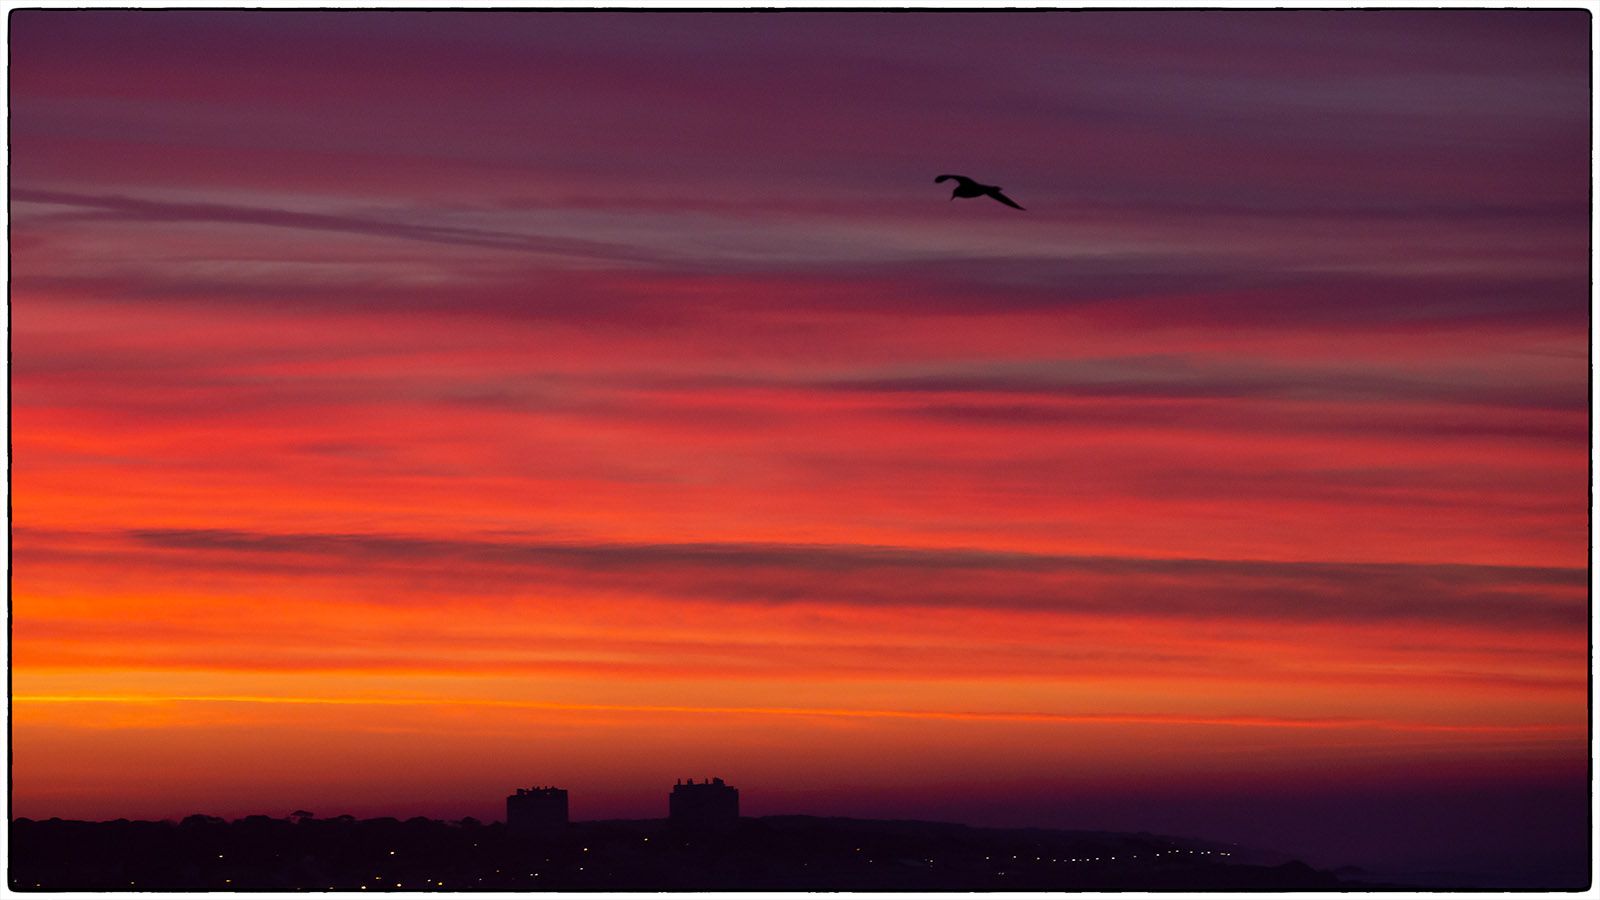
x=966, y=187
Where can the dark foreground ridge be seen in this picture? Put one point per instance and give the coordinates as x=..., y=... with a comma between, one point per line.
x=797, y=853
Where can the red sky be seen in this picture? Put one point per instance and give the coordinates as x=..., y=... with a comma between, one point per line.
x=408, y=407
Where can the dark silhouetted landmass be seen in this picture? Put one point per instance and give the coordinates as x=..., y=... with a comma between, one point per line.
x=798, y=853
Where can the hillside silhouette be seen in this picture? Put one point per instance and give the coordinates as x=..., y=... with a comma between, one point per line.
x=799, y=853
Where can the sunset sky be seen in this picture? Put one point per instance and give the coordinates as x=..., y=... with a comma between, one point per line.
x=408, y=407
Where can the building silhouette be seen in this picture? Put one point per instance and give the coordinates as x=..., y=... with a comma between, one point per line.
x=709, y=805
x=532, y=811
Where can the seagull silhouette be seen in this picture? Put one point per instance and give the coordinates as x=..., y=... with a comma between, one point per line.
x=966, y=187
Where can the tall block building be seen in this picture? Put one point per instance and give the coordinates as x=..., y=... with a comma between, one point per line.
x=532, y=811
x=708, y=805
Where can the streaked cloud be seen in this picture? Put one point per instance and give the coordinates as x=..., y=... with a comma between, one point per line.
x=911, y=577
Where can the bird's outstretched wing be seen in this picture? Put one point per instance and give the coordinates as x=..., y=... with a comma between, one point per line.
x=961, y=178
x=1004, y=199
